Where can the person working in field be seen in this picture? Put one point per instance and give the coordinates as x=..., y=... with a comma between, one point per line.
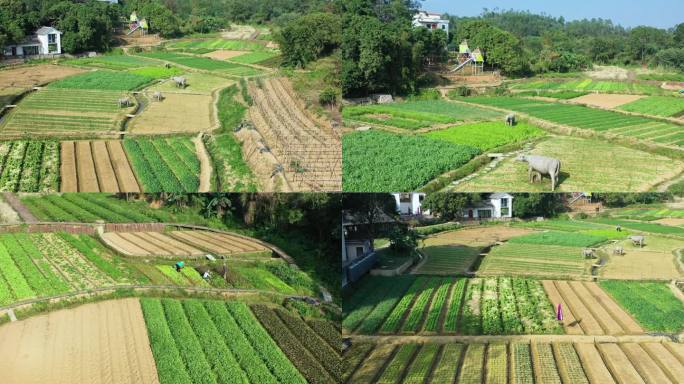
x=618, y=228
x=179, y=266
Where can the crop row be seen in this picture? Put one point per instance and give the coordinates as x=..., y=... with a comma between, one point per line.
x=372, y=302
x=307, y=363
x=27, y=122
x=535, y=259
x=488, y=135
x=204, y=63
x=379, y=161
x=441, y=305
x=102, y=80
x=84, y=207
x=567, y=239
x=591, y=85
x=165, y=165
x=586, y=118
x=72, y=100
x=29, y=166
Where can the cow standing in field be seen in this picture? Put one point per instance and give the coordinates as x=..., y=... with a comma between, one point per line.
x=158, y=96
x=588, y=253
x=124, y=102
x=543, y=166
x=619, y=250
x=638, y=241
x=510, y=120
x=181, y=82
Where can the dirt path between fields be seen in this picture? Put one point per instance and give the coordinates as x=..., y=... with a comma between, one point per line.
x=104, y=342
x=13, y=201
x=205, y=165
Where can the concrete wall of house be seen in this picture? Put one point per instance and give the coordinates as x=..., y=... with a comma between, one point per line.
x=44, y=44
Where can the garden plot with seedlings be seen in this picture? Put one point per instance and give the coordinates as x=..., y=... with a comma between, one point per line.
x=114, y=62
x=596, y=120
x=29, y=166
x=194, y=244
x=478, y=237
x=175, y=113
x=586, y=164
x=489, y=135
x=665, y=106
x=79, y=345
x=68, y=112
x=640, y=88
x=447, y=260
x=589, y=310
x=514, y=362
x=540, y=260
x=376, y=161
x=96, y=166
x=443, y=305
x=308, y=151
x=653, y=304
x=165, y=164
x=609, y=101
x=414, y=115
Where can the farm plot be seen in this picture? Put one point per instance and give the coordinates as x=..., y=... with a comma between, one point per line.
x=308, y=151
x=66, y=112
x=377, y=161
x=479, y=237
x=514, y=363
x=535, y=260
x=96, y=166
x=591, y=85
x=652, y=304
x=586, y=165
x=415, y=115
x=254, y=57
x=450, y=306
x=180, y=243
x=164, y=165
x=317, y=361
x=114, y=62
x=27, y=347
x=642, y=226
x=485, y=136
x=89, y=207
x=14, y=81
x=606, y=100
x=657, y=105
x=649, y=214
x=566, y=239
x=233, y=45
x=176, y=113
x=204, y=63
x=447, y=260
x=592, y=119
x=197, y=83
x=29, y=166
x=587, y=309
x=656, y=261
x=103, y=80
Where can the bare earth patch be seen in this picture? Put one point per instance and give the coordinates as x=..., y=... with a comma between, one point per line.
x=670, y=221
x=477, y=237
x=608, y=72
x=224, y=54
x=654, y=261
x=606, y=100
x=96, y=343
x=30, y=76
x=176, y=114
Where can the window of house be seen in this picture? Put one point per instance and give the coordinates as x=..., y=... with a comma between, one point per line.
x=359, y=252
x=504, y=203
x=52, y=38
x=484, y=214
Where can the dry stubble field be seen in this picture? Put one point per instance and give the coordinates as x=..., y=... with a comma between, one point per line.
x=96, y=166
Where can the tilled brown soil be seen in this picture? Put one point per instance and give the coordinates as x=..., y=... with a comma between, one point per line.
x=29, y=76
x=478, y=236
x=100, y=343
x=96, y=166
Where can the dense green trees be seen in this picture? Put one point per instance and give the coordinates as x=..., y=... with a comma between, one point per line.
x=309, y=37
x=502, y=48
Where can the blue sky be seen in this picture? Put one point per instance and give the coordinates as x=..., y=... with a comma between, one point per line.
x=629, y=13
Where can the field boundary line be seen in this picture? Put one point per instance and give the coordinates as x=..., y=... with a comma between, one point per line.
x=16, y=204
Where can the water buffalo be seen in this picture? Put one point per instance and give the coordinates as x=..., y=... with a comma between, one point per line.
x=588, y=253
x=124, y=102
x=510, y=120
x=619, y=250
x=544, y=166
x=181, y=82
x=158, y=96
x=638, y=240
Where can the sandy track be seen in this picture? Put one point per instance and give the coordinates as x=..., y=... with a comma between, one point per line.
x=647, y=368
x=205, y=164
x=100, y=343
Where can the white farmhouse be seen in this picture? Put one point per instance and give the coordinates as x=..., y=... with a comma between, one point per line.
x=430, y=21
x=46, y=41
x=409, y=204
x=495, y=206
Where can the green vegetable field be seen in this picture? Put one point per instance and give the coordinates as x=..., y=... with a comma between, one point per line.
x=656, y=105
x=165, y=165
x=204, y=63
x=485, y=136
x=102, y=80
x=379, y=161
x=29, y=166
x=214, y=44
x=591, y=85
x=445, y=305
x=567, y=239
x=539, y=260
x=652, y=304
